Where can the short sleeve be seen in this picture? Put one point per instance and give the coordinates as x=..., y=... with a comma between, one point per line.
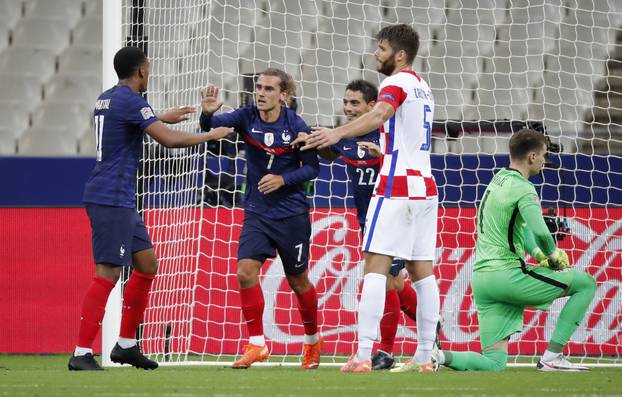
x=393, y=95
x=140, y=113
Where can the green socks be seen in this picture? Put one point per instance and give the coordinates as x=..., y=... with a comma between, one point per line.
x=491, y=360
x=581, y=294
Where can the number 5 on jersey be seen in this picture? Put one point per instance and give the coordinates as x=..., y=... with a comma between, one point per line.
x=427, y=127
x=99, y=130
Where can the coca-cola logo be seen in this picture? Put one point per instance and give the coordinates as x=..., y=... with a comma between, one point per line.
x=336, y=270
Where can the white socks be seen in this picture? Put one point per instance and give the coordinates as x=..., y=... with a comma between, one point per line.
x=126, y=343
x=81, y=351
x=428, y=308
x=312, y=339
x=549, y=355
x=257, y=340
x=370, y=312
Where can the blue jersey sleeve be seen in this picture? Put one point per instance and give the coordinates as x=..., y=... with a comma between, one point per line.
x=310, y=168
x=238, y=119
x=140, y=113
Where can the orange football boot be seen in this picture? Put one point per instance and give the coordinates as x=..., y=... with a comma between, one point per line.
x=311, y=354
x=252, y=354
x=355, y=366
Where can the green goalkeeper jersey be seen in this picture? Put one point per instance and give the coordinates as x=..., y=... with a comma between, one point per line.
x=510, y=205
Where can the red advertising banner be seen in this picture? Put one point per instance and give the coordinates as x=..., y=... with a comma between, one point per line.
x=206, y=318
x=194, y=306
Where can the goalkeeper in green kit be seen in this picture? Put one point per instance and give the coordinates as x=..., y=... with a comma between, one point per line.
x=510, y=222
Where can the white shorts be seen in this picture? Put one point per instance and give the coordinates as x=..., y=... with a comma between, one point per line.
x=402, y=228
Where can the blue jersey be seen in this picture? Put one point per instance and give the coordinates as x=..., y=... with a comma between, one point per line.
x=362, y=169
x=120, y=117
x=268, y=151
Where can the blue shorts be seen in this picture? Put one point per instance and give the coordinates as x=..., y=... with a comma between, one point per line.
x=261, y=237
x=118, y=232
x=397, y=265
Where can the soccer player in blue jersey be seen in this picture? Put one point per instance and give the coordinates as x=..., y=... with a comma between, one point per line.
x=121, y=118
x=362, y=169
x=276, y=215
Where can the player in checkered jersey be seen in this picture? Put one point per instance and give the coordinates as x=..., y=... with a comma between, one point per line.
x=362, y=158
x=402, y=216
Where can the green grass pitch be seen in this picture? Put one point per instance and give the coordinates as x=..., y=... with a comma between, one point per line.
x=48, y=376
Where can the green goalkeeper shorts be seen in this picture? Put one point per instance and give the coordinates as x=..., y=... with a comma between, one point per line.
x=502, y=296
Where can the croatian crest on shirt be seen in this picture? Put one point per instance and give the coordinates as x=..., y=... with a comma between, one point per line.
x=268, y=138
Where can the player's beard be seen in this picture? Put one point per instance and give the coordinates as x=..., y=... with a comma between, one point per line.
x=387, y=67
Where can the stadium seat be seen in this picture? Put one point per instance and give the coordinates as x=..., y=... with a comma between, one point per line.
x=38, y=65
x=41, y=33
x=88, y=34
x=63, y=11
x=449, y=72
x=86, y=143
x=81, y=61
x=69, y=117
x=271, y=47
x=73, y=89
x=10, y=12
x=20, y=89
x=45, y=141
x=418, y=13
x=8, y=144
x=93, y=8
x=4, y=34
x=14, y=118
x=341, y=31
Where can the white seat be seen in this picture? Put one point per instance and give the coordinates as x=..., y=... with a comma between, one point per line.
x=38, y=65
x=41, y=33
x=416, y=12
x=10, y=12
x=15, y=118
x=88, y=34
x=4, y=34
x=272, y=47
x=24, y=90
x=8, y=144
x=68, y=11
x=81, y=62
x=93, y=8
x=72, y=89
x=44, y=141
x=559, y=107
x=86, y=143
x=450, y=72
x=68, y=117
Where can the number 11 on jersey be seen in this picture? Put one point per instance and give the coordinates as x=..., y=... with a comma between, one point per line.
x=99, y=130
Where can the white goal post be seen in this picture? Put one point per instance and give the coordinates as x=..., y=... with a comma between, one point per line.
x=553, y=63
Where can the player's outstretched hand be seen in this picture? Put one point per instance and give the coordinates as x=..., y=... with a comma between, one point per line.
x=558, y=260
x=300, y=140
x=321, y=138
x=178, y=115
x=371, y=148
x=209, y=99
x=270, y=183
x=219, y=133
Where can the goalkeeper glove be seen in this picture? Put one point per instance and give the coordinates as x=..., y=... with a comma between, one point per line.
x=539, y=256
x=558, y=260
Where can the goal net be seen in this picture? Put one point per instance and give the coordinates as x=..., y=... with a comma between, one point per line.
x=555, y=63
